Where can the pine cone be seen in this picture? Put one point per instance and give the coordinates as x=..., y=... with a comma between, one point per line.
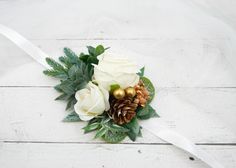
x=122, y=111
x=142, y=94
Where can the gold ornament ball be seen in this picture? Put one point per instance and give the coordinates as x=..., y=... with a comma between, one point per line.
x=130, y=91
x=119, y=93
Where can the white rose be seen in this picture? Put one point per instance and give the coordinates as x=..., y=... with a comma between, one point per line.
x=91, y=101
x=115, y=70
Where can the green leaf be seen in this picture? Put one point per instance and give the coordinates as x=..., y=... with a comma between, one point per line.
x=114, y=87
x=151, y=89
x=63, y=96
x=84, y=58
x=99, y=50
x=119, y=128
x=71, y=102
x=94, y=52
x=72, y=117
x=108, y=130
x=114, y=136
x=57, y=88
x=88, y=72
x=91, y=127
x=101, y=132
x=91, y=50
x=141, y=73
x=92, y=60
x=146, y=112
x=105, y=121
x=134, y=129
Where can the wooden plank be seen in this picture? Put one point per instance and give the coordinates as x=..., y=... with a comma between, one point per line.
x=120, y=19
x=169, y=62
x=203, y=115
x=40, y=155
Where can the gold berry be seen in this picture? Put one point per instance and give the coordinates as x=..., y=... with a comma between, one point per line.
x=130, y=91
x=119, y=93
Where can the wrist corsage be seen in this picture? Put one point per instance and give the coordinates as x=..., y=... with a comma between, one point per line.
x=107, y=91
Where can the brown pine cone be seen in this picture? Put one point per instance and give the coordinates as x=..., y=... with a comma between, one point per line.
x=142, y=94
x=122, y=111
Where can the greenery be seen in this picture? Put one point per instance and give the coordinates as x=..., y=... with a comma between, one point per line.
x=106, y=129
x=72, y=117
x=74, y=72
x=134, y=129
x=114, y=87
x=146, y=112
x=149, y=86
x=141, y=73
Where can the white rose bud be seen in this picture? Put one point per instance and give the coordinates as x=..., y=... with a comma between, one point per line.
x=115, y=70
x=91, y=102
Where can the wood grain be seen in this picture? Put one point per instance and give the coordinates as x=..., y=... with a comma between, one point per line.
x=42, y=155
x=31, y=114
x=175, y=62
x=188, y=48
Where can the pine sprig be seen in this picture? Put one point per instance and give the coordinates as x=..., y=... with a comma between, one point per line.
x=55, y=65
x=74, y=73
x=57, y=74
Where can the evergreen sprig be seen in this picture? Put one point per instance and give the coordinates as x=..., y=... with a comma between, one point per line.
x=74, y=73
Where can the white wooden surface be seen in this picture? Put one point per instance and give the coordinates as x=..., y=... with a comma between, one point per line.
x=188, y=48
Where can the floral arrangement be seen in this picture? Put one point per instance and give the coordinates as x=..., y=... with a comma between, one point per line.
x=107, y=91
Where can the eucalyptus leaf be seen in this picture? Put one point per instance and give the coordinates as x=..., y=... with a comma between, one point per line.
x=91, y=50
x=84, y=58
x=150, y=87
x=99, y=50
x=134, y=129
x=146, y=112
x=92, y=60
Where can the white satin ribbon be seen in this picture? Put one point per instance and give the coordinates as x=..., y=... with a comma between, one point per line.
x=36, y=53
x=152, y=125
x=156, y=127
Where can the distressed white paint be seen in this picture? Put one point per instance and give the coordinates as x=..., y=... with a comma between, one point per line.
x=188, y=48
x=99, y=155
x=175, y=62
x=31, y=114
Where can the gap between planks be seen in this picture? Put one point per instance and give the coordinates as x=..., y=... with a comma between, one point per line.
x=125, y=143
